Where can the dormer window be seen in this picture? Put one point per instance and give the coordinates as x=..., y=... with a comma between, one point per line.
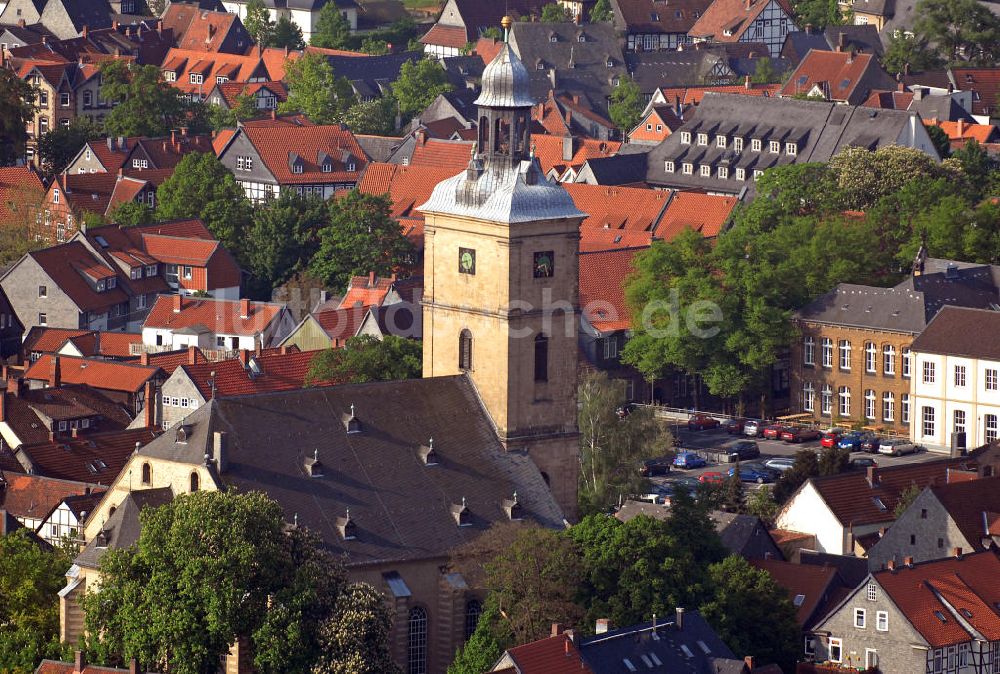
x=668, y=166
x=611, y=64
x=513, y=508
x=327, y=167
x=581, y=38
x=720, y=141
x=738, y=144
x=221, y=79
x=741, y=174
x=351, y=423
x=313, y=466
x=702, y=139
x=685, y=137
x=723, y=173
x=112, y=283
x=687, y=168
x=297, y=168
x=553, y=38
x=757, y=173
x=100, y=286
x=135, y=273
x=755, y=144
x=427, y=454
x=351, y=167
x=182, y=434
x=705, y=171
x=196, y=78
x=791, y=149
x=170, y=75
x=55, y=196
x=774, y=146
x=151, y=270
x=460, y=512
x=346, y=527
x=539, y=66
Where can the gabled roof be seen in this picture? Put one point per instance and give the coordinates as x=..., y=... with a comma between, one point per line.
x=343, y=323
x=110, y=152
x=280, y=147
x=28, y=414
x=123, y=526
x=974, y=506
x=216, y=315
x=474, y=16
x=200, y=29
x=451, y=154
x=948, y=601
x=93, y=457
x=261, y=374
x=959, y=331
x=34, y=496
x=732, y=16
x=366, y=291
x=649, y=16
x=842, y=76
x=43, y=339
x=602, y=292
x=889, y=100
x=87, y=191
x=704, y=213
x=165, y=152
x=552, y=655
x=16, y=185
x=108, y=375
x=229, y=91
x=619, y=208
x=961, y=131
x=407, y=186
x=983, y=82
x=810, y=588
x=65, y=263
x=238, y=68
x=549, y=151
x=48, y=340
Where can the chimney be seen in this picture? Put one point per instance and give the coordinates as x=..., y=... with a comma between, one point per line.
x=746, y=83
x=371, y=279
x=144, y=358
x=219, y=442
x=956, y=553
x=809, y=28
x=552, y=77
x=284, y=350
x=891, y=565
x=173, y=136
x=841, y=41
x=178, y=303
x=679, y=619
x=256, y=347
x=961, y=127
x=872, y=476
x=748, y=4
x=79, y=662
x=192, y=355
x=55, y=377
x=906, y=68
x=908, y=562
x=3, y=404
x=748, y=663
x=567, y=148
x=244, y=308
x=20, y=23
x=133, y=667
x=556, y=630
x=184, y=132
x=245, y=358
x=85, y=31
x=149, y=408
x=274, y=113
x=74, y=432
x=602, y=626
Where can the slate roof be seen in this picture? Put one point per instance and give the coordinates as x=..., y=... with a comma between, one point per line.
x=961, y=331
x=402, y=508
x=222, y=316
x=942, y=108
x=602, y=292
x=379, y=148
x=123, y=527
x=97, y=373
x=861, y=38
x=892, y=309
x=852, y=569
x=371, y=75
x=280, y=147
x=649, y=16
x=34, y=496
x=963, y=590
x=745, y=535
x=621, y=169
x=92, y=457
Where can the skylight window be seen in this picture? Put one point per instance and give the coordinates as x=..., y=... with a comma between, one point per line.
x=687, y=651
x=703, y=646
x=940, y=616
x=879, y=504
x=628, y=663
x=799, y=600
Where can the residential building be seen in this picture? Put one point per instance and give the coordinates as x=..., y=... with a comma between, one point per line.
x=956, y=401
x=17, y=35
x=853, y=362
x=303, y=13
x=131, y=385
x=11, y=329
x=733, y=139
x=91, y=457
x=327, y=329
x=746, y=536
x=813, y=590
x=21, y=193
x=854, y=38
x=765, y=21
x=63, y=18
x=196, y=72
x=176, y=322
x=65, y=523
x=463, y=21
x=713, y=64
x=649, y=26
x=198, y=29
x=562, y=158
x=35, y=416
x=57, y=86
x=960, y=132
x=838, y=76
x=265, y=95
x=420, y=149
x=845, y=512
x=501, y=218
x=30, y=498
x=397, y=542
x=938, y=616
x=984, y=83
x=959, y=516
x=370, y=75
x=309, y=160
x=79, y=343
x=686, y=642
x=105, y=155
x=568, y=115
x=658, y=122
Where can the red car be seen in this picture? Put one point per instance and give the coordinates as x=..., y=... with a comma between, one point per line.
x=800, y=434
x=831, y=438
x=774, y=431
x=702, y=422
x=712, y=477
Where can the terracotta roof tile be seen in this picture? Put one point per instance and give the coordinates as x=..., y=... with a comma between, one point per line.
x=619, y=208
x=34, y=496
x=733, y=16
x=276, y=372
x=64, y=264
x=961, y=131
x=16, y=182
x=446, y=36
x=54, y=667
x=838, y=73
x=705, y=213
x=983, y=81
x=278, y=147
x=222, y=139
x=813, y=582
x=407, y=186
x=553, y=655
x=549, y=151
x=222, y=316
x=343, y=323
x=452, y=155
x=602, y=288
x=593, y=240
x=99, y=374
x=366, y=291
x=93, y=457
x=230, y=90
x=969, y=504
x=87, y=191
x=889, y=100
x=48, y=340
x=693, y=95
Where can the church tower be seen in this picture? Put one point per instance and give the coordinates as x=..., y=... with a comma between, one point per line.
x=500, y=283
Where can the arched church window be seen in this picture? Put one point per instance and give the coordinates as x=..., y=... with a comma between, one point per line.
x=416, y=641
x=473, y=609
x=147, y=474
x=541, y=357
x=465, y=350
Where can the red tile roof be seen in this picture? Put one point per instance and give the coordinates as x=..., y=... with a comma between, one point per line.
x=593, y=240
x=277, y=372
x=341, y=324
x=167, y=151
x=202, y=30
x=64, y=264
x=55, y=404
x=733, y=16
x=452, y=155
x=549, y=151
x=89, y=342
x=550, y=117
x=111, y=158
x=888, y=100
x=705, y=213
x=100, y=374
x=230, y=90
x=985, y=82
x=837, y=73
x=693, y=95
x=222, y=139
x=446, y=36
x=962, y=131
x=619, y=208
x=967, y=584
x=365, y=291
x=48, y=340
x=168, y=361
x=34, y=496
x=487, y=48
x=92, y=457
x=16, y=185
x=408, y=187
x=54, y=667
x=969, y=504
x=278, y=147
x=221, y=316
x=602, y=288
x=87, y=191
x=238, y=68
x=554, y=655
x=812, y=581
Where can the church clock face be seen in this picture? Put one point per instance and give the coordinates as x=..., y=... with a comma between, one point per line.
x=544, y=264
x=466, y=261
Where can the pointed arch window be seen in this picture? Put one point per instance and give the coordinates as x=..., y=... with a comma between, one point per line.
x=147, y=474
x=416, y=641
x=195, y=482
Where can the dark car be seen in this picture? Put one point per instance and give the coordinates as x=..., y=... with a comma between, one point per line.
x=773, y=431
x=689, y=460
x=742, y=449
x=734, y=426
x=851, y=440
x=870, y=443
x=702, y=422
x=624, y=410
x=800, y=434
x=652, y=467
x=755, y=472
x=687, y=483
x=862, y=463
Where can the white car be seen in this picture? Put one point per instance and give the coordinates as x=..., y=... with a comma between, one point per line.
x=781, y=463
x=897, y=447
x=751, y=428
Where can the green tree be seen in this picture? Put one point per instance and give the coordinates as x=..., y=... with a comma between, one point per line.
x=764, y=72
x=761, y=503
x=940, y=140
x=58, y=147
x=418, y=84
x=751, y=613
x=332, y=30
x=554, y=13
x=817, y=13
x=374, y=46
x=626, y=105
x=733, y=491
x=355, y=639
x=146, y=105
x=314, y=91
x=834, y=460
x=366, y=358
x=964, y=30
x=244, y=108
x=25, y=203
x=131, y=213
x=361, y=237
x=201, y=187
x=377, y=117
x=975, y=162
x=281, y=238
x=864, y=177
x=806, y=466
x=286, y=33
x=906, y=499
x=30, y=578
x=17, y=108
x=486, y=644
x=906, y=51
x=602, y=12
x=611, y=449
x=258, y=22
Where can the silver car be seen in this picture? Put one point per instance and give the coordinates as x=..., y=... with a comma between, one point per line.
x=752, y=428
x=780, y=463
x=897, y=447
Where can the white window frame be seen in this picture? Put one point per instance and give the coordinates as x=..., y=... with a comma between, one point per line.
x=844, y=398
x=720, y=141
x=722, y=173
x=889, y=360
x=791, y=149
x=991, y=379
x=826, y=400
x=687, y=168
x=872, y=592
x=959, y=419
x=871, y=357
x=705, y=171
x=904, y=408
x=826, y=346
x=871, y=658
x=702, y=139
x=870, y=402
x=907, y=362
x=839, y=645
x=774, y=146
x=882, y=621
x=960, y=378
x=755, y=144
x=808, y=397
x=928, y=421
x=668, y=166
x=844, y=349
x=888, y=406
x=860, y=618
x=738, y=144
x=685, y=137
x=991, y=427
x=741, y=174
x=928, y=372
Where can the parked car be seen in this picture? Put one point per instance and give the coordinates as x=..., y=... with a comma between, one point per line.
x=742, y=449
x=773, y=431
x=689, y=460
x=870, y=443
x=800, y=434
x=862, y=463
x=780, y=463
x=752, y=428
x=686, y=482
x=651, y=467
x=702, y=422
x=712, y=477
x=831, y=437
x=755, y=472
x=897, y=447
x=734, y=426
x=851, y=440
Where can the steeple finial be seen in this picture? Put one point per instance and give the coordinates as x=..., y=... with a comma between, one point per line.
x=506, y=23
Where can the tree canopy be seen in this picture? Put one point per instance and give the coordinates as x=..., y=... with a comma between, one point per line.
x=258, y=22
x=146, y=105
x=58, y=147
x=626, y=105
x=601, y=12
x=817, y=13
x=418, y=84
x=286, y=34
x=962, y=30
x=332, y=30
x=282, y=237
x=315, y=92
x=554, y=12
x=366, y=358
x=17, y=108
